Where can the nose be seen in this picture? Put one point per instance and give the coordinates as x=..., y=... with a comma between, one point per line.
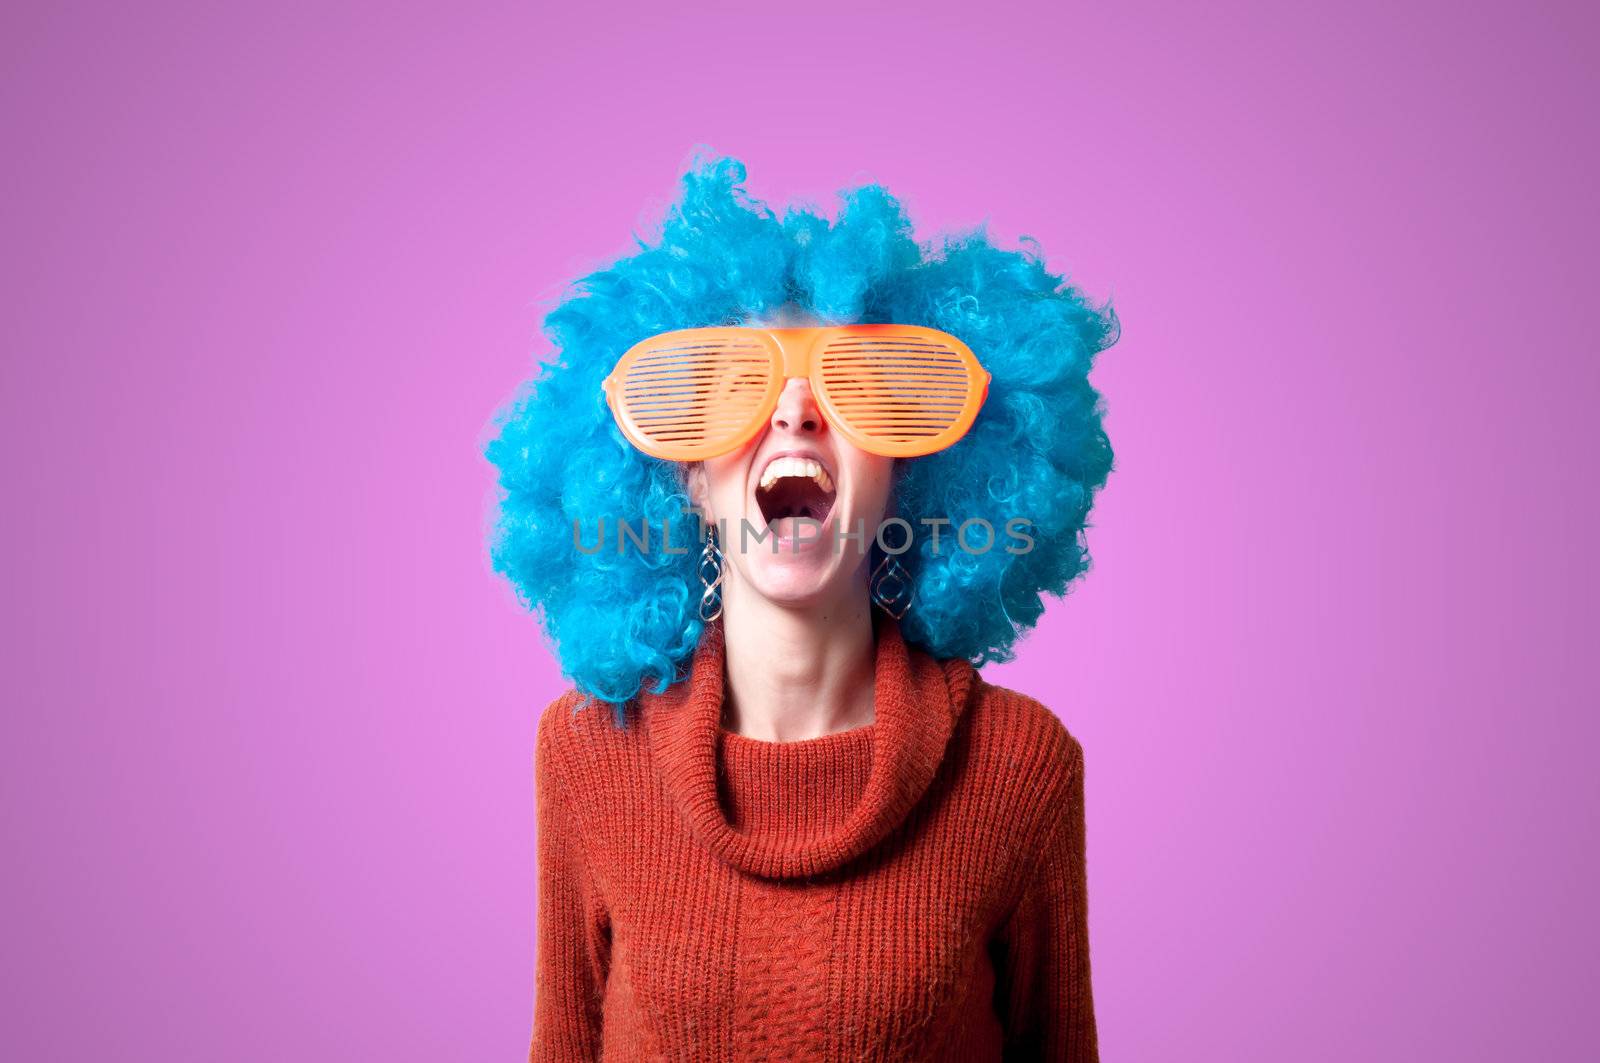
x=797, y=408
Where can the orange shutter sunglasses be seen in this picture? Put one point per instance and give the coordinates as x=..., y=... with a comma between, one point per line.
x=896, y=390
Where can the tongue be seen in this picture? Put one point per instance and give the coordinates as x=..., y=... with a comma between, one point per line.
x=795, y=527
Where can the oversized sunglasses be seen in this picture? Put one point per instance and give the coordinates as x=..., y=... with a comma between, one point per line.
x=896, y=390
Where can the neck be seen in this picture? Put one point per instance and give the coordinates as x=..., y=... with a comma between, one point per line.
x=796, y=673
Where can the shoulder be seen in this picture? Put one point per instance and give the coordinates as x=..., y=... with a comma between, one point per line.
x=579, y=736
x=1023, y=724
x=565, y=721
x=575, y=718
x=1022, y=751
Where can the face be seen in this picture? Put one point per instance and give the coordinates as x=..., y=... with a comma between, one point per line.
x=779, y=500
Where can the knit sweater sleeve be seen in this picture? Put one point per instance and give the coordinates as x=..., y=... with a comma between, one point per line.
x=1043, y=989
x=572, y=950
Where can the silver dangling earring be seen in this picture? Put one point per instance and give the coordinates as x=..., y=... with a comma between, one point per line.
x=891, y=587
x=711, y=573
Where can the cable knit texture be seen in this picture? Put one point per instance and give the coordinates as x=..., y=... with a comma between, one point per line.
x=908, y=890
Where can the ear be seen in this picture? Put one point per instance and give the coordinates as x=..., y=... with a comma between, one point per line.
x=699, y=489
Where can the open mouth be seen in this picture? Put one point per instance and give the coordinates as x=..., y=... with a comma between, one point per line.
x=794, y=489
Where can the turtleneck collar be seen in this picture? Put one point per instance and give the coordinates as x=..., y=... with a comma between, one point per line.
x=916, y=704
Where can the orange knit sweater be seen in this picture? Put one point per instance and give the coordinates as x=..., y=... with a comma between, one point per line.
x=908, y=890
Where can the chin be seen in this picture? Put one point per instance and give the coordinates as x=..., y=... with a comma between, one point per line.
x=803, y=580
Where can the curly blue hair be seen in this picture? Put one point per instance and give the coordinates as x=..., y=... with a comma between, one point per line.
x=623, y=621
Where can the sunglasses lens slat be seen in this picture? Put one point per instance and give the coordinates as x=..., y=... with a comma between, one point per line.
x=685, y=399
x=900, y=394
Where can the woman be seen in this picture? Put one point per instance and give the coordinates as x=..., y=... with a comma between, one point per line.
x=781, y=816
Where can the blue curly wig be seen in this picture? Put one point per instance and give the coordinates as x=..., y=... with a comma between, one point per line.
x=620, y=621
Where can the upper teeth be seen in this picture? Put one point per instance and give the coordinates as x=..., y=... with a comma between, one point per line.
x=781, y=467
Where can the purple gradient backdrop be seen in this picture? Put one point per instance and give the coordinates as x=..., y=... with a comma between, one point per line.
x=269, y=719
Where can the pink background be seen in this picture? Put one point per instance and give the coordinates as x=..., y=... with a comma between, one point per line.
x=269, y=719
